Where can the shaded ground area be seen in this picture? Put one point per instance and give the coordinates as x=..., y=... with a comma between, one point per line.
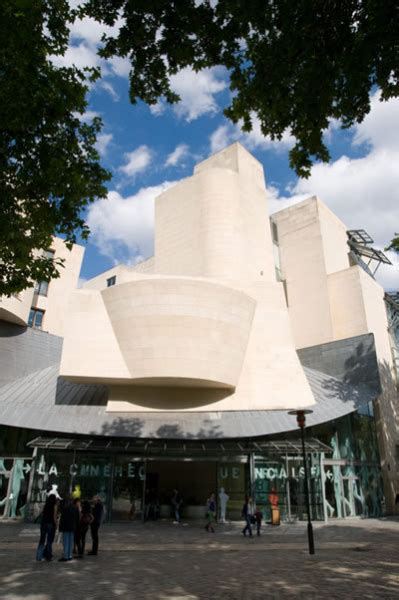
x=162, y=561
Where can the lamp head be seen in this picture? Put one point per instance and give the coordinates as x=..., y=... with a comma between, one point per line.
x=300, y=415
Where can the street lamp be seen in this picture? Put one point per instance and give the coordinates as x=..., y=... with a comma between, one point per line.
x=301, y=419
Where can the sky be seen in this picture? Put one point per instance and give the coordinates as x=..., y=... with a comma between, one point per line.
x=148, y=149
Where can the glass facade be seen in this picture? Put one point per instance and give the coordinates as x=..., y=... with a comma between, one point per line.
x=344, y=482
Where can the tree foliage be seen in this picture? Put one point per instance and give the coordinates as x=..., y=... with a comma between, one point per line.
x=49, y=167
x=295, y=65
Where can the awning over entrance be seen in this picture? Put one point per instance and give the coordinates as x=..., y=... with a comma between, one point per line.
x=147, y=448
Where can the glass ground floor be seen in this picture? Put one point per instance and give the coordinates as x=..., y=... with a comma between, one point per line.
x=136, y=478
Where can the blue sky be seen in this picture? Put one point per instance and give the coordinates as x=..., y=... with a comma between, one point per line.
x=149, y=149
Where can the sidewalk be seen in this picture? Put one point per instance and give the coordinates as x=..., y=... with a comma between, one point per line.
x=162, y=561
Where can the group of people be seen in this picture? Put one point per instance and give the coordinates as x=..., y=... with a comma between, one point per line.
x=252, y=515
x=72, y=517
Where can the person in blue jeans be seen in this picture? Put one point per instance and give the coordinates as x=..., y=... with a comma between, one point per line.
x=69, y=522
x=247, y=513
x=47, y=528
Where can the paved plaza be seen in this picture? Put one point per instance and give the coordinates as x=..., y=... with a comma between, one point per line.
x=162, y=561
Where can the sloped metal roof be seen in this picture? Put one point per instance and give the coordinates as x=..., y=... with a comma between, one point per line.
x=342, y=375
x=42, y=400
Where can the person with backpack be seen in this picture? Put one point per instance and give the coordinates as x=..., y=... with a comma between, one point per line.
x=248, y=514
x=48, y=526
x=86, y=519
x=69, y=522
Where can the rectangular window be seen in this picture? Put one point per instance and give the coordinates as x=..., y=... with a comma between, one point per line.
x=36, y=318
x=41, y=287
x=274, y=232
x=111, y=281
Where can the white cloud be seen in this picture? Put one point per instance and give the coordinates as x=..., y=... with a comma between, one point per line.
x=81, y=56
x=103, y=141
x=123, y=228
x=255, y=138
x=176, y=156
x=85, y=40
x=362, y=192
x=228, y=133
x=197, y=91
x=120, y=66
x=105, y=85
x=137, y=161
x=380, y=128
x=158, y=108
x=89, y=115
x=220, y=138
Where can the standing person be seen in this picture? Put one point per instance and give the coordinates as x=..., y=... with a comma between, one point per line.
x=247, y=513
x=47, y=528
x=77, y=505
x=210, y=513
x=69, y=522
x=177, y=501
x=86, y=519
x=98, y=511
x=258, y=519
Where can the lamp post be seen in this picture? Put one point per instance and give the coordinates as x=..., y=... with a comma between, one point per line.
x=301, y=419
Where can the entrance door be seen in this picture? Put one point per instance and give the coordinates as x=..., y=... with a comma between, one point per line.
x=194, y=480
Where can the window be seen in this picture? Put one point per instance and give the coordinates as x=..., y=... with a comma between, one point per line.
x=274, y=232
x=36, y=318
x=111, y=281
x=41, y=287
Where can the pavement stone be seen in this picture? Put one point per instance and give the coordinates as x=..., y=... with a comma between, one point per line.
x=160, y=561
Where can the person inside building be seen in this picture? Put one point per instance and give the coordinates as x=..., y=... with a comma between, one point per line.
x=210, y=513
x=69, y=522
x=47, y=528
x=248, y=514
x=176, y=502
x=258, y=519
x=98, y=511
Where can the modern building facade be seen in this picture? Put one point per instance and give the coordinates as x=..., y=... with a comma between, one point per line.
x=179, y=372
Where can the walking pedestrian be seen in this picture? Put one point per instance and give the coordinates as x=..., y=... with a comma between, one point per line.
x=47, y=528
x=247, y=513
x=98, y=511
x=210, y=513
x=69, y=522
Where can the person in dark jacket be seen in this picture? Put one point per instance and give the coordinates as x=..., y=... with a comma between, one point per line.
x=98, y=510
x=247, y=513
x=86, y=519
x=47, y=528
x=69, y=522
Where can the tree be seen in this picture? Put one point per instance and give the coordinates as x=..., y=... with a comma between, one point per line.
x=49, y=169
x=295, y=65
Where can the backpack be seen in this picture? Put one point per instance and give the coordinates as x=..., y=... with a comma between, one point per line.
x=86, y=519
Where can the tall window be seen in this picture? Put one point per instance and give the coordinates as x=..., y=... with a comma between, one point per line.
x=111, y=281
x=41, y=287
x=36, y=318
